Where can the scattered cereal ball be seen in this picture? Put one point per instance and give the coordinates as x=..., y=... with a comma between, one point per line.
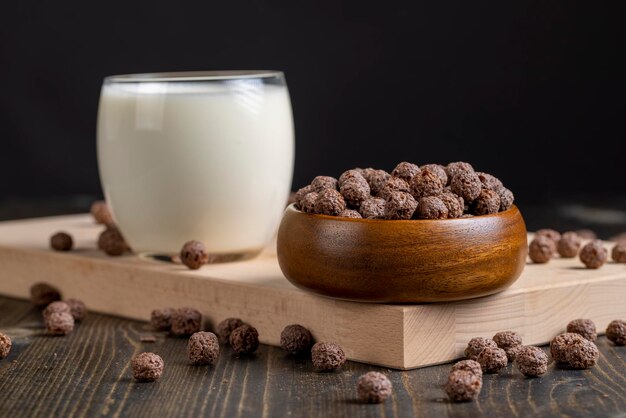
x=194, y=255
x=374, y=387
x=506, y=198
x=161, y=319
x=555, y=236
x=431, y=207
x=453, y=203
x=594, y=255
x=489, y=182
x=541, y=249
x=509, y=341
x=582, y=354
x=377, y=180
x=492, y=360
x=244, y=339
x=300, y=195
x=42, y=294
x=56, y=307
x=463, y=386
x=101, y=213
x=203, y=348
x=457, y=167
x=78, y=309
x=147, y=367
x=5, y=345
x=321, y=183
x=296, y=339
x=469, y=366
x=307, y=203
x=350, y=174
x=373, y=208
x=568, y=245
x=439, y=170
x=112, y=242
x=559, y=345
x=355, y=191
x=616, y=332
x=61, y=241
x=531, y=361
x=329, y=202
x=476, y=345
x=486, y=203
x=586, y=234
x=327, y=357
x=394, y=184
x=467, y=185
x=350, y=213
x=59, y=323
x=406, y=171
x=426, y=183
x=186, y=321
x=226, y=327
x=585, y=327
x=618, y=254
x=400, y=205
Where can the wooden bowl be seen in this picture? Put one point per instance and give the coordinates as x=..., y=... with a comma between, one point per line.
x=402, y=261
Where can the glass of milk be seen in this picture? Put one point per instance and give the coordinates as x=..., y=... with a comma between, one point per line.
x=196, y=155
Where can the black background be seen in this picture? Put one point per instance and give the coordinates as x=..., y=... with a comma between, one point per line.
x=532, y=92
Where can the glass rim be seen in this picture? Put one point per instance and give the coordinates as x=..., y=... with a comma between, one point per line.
x=219, y=75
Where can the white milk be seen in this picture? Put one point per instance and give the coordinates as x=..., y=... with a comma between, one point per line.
x=204, y=160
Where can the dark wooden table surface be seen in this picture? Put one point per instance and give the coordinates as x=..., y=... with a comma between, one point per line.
x=88, y=374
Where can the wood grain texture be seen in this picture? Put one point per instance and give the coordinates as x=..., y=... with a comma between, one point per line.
x=538, y=305
x=87, y=374
x=402, y=261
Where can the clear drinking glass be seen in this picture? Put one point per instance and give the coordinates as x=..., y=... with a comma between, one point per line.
x=196, y=155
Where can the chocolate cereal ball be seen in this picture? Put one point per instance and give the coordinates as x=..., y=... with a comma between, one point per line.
x=186, y=321
x=454, y=204
x=194, y=255
x=569, y=244
x=476, y=345
x=618, y=254
x=203, y=348
x=487, y=202
x=594, y=255
x=56, y=307
x=61, y=241
x=327, y=357
x=42, y=294
x=555, y=236
x=350, y=213
x=161, y=319
x=5, y=345
x=78, y=309
x=373, y=208
x=296, y=339
x=463, y=386
x=431, y=207
x=350, y=174
x=616, y=332
x=406, y=171
x=226, y=327
x=244, y=339
x=586, y=233
x=377, y=180
x=112, y=242
x=426, y=183
x=541, y=249
x=59, y=323
x=329, y=202
x=321, y=183
x=467, y=185
x=439, y=170
x=101, y=213
x=560, y=344
x=468, y=365
x=457, y=167
x=492, y=360
x=531, y=361
x=394, y=184
x=582, y=354
x=374, y=387
x=585, y=327
x=506, y=198
x=147, y=367
x=400, y=205
x=489, y=182
x=300, y=195
x=355, y=191
x=509, y=341
x=307, y=203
